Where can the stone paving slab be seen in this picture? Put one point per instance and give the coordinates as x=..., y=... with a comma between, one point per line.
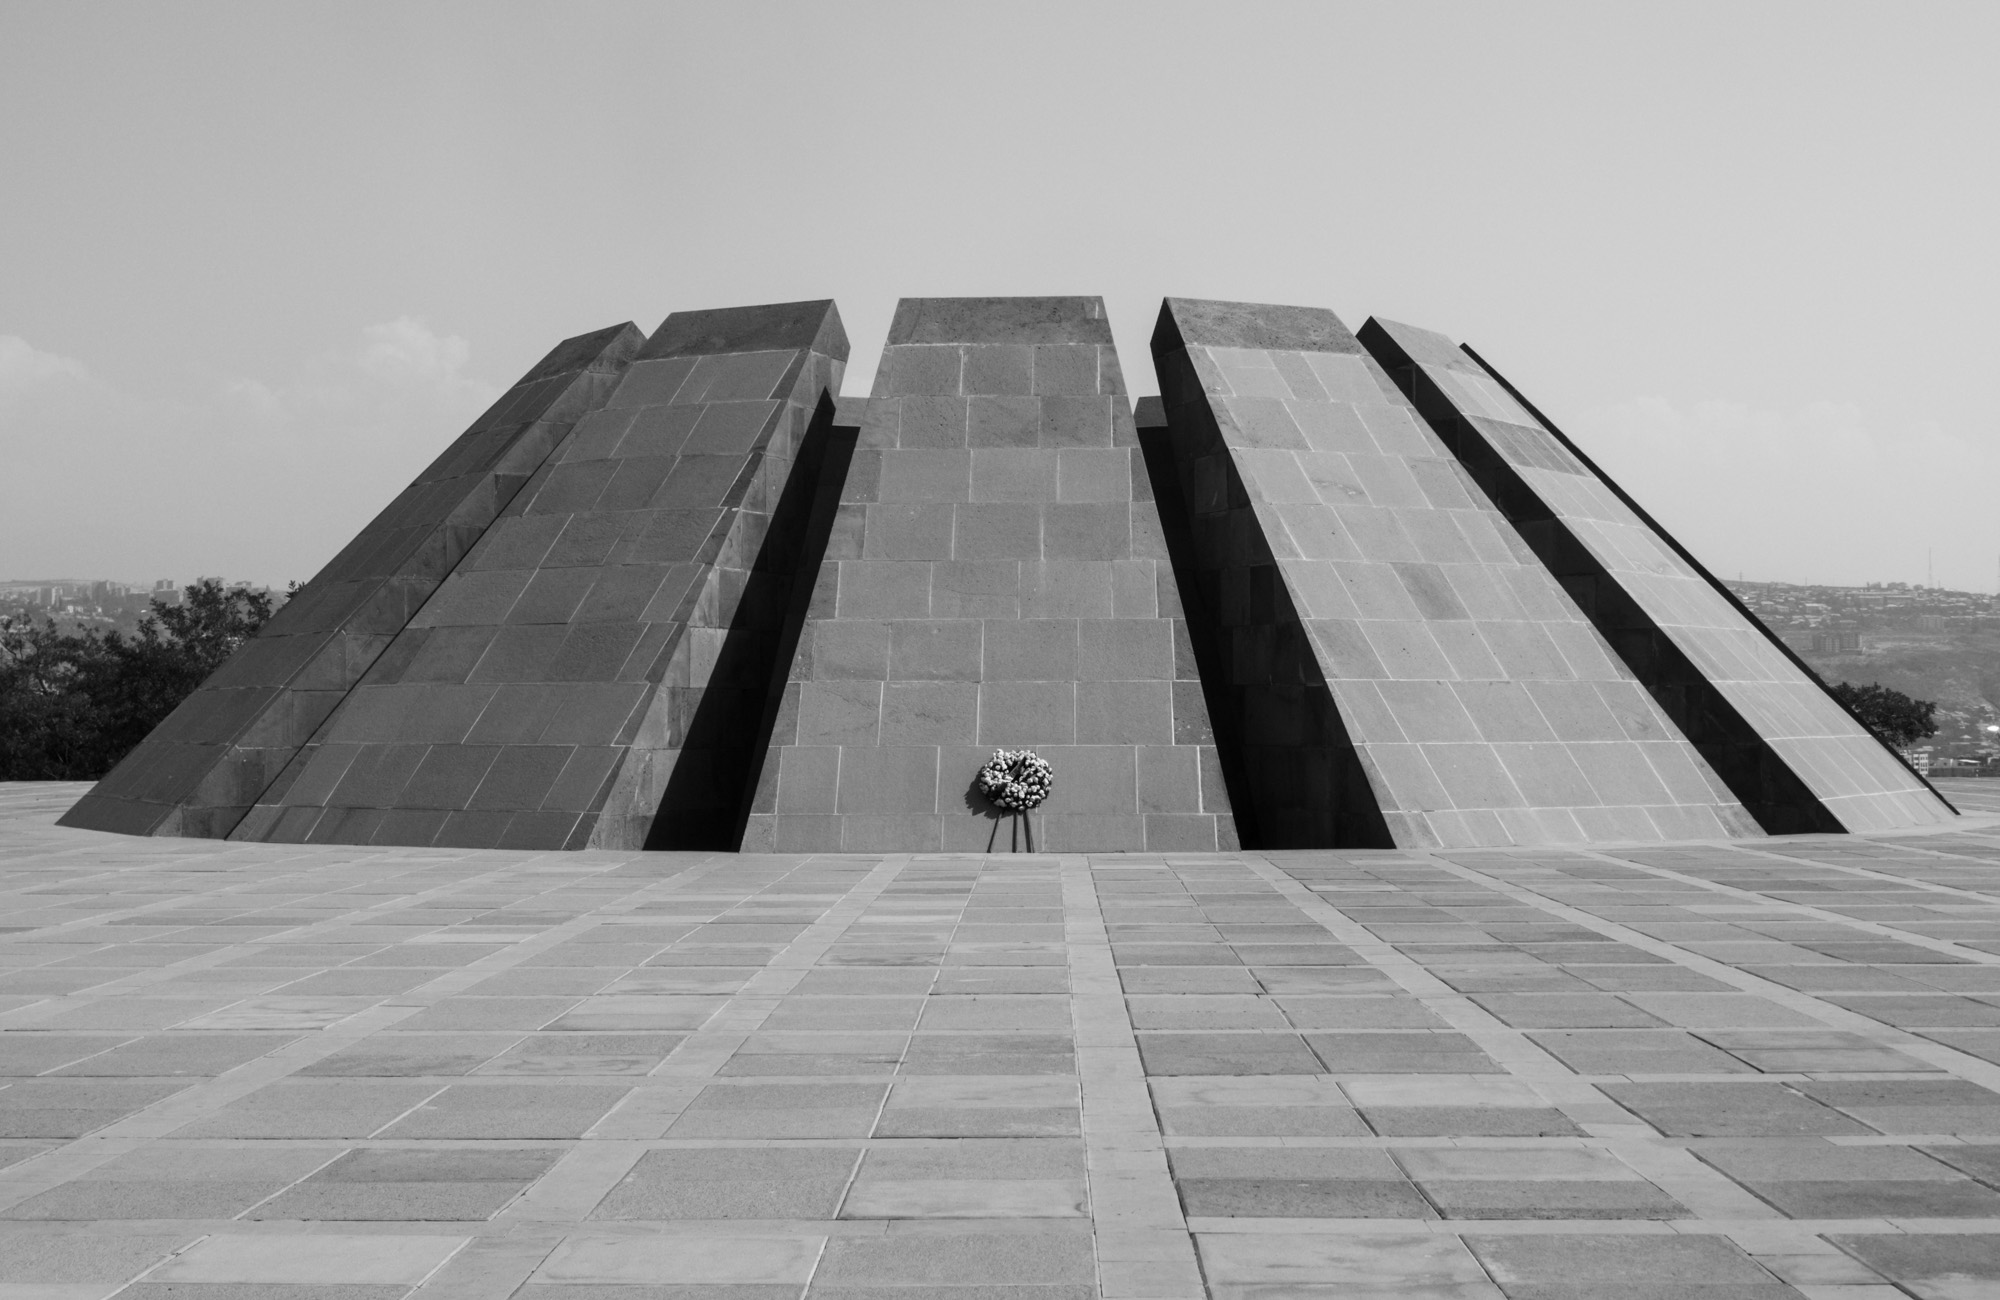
x=1763, y=1068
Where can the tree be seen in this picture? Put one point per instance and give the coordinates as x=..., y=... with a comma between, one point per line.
x=1893, y=716
x=73, y=703
x=48, y=730
x=209, y=623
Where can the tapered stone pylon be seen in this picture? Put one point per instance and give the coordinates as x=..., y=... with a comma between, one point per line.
x=216, y=755
x=550, y=693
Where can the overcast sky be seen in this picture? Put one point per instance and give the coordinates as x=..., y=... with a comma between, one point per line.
x=259, y=262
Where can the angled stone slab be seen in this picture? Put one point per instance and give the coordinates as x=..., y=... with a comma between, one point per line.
x=608, y=647
x=996, y=578
x=210, y=760
x=1794, y=756
x=1402, y=667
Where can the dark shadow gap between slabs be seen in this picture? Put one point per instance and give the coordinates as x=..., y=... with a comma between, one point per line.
x=707, y=800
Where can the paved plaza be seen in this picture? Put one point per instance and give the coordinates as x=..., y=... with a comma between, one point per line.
x=1719, y=1071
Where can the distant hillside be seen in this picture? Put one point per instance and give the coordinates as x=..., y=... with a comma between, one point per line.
x=1960, y=670
x=1928, y=642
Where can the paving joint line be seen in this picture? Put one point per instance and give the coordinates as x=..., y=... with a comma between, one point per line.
x=1144, y=1248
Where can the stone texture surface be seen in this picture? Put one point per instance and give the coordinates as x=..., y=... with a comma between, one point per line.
x=203, y=768
x=605, y=652
x=1399, y=667
x=614, y=1075
x=996, y=578
x=1765, y=723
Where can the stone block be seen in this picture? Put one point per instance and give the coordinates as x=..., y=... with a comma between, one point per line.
x=1169, y=778
x=1095, y=474
x=1003, y=421
x=850, y=648
x=995, y=531
x=923, y=474
x=908, y=532
x=1013, y=714
x=929, y=712
x=934, y=650
x=893, y=781
x=1026, y=650
x=1013, y=474
x=1001, y=368
x=1140, y=713
x=841, y=712
x=1078, y=422
x=976, y=589
x=883, y=590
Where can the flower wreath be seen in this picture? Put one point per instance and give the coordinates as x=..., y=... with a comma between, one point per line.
x=1016, y=779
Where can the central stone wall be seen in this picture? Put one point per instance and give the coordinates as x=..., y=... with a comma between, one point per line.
x=996, y=577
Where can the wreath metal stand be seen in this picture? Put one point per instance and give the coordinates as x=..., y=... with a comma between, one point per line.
x=1022, y=826
x=1018, y=826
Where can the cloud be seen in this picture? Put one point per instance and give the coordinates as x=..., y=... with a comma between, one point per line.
x=1821, y=492
x=406, y=350
x=24, y=367
x=264, y=479
x=366, y=402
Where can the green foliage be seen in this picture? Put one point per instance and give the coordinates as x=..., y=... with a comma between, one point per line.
x=73, y=703
x=1890, y=714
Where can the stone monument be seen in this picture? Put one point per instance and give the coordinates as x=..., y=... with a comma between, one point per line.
x=674, y=592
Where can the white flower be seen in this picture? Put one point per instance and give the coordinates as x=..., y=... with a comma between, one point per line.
x=1016, y=780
